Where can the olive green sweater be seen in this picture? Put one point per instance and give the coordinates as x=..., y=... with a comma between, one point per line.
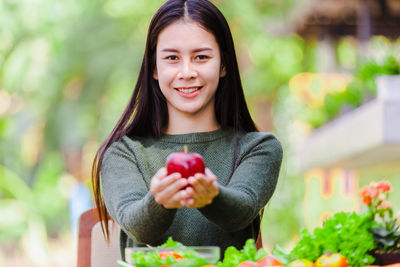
x=229, y=220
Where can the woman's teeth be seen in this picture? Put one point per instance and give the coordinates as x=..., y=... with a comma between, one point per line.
x=187, y=91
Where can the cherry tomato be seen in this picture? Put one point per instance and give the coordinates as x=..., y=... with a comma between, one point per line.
x=300, y=263
x=332, y=260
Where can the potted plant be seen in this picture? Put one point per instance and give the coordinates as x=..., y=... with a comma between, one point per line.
x=363, y=238
x=371, y=79
x=385, y=227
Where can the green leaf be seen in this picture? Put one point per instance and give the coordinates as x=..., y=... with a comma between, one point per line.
x=171, y=243
x=346, y=233
x=15, y=187
x=380, y=231
x=281, y=254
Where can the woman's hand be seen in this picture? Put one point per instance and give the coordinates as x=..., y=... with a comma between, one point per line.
x=202, y=190
x=169, y=190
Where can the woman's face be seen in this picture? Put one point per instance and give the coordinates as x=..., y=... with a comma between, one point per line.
x=188, y=68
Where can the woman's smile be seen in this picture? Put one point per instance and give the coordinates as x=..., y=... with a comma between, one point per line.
x=189, y=92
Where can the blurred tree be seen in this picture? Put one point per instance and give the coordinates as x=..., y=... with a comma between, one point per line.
x=267, y=61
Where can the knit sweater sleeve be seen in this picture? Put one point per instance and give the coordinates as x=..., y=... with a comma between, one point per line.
x=128, y=199
x=251, y=186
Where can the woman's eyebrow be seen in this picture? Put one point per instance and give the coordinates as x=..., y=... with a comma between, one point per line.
x=195, y=50
x=202, y=49
x=169, y=50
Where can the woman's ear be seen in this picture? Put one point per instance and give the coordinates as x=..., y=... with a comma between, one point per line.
x=222, y=72
x=155, y=74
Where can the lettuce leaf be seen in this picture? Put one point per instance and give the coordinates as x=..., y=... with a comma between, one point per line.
x=233, y=256
x=345, y=233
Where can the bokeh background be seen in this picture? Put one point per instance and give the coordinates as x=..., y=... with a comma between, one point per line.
x=67, y=70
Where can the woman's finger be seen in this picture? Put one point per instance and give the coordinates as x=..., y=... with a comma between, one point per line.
x=161, y=182
x=214, y=189
x=161, y=173
x=167, y=192
x=210, y=174
x=175, y=202
x=199, y=184
x=208, y=183
x=192, y=200
x=203, y=191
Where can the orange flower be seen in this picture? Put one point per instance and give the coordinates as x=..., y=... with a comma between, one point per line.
x=373, y=192
x=364, y=191
x=370, y=191
x=366, y=200
x=383, y=186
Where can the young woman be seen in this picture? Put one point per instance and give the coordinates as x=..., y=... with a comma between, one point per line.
x=188, y=93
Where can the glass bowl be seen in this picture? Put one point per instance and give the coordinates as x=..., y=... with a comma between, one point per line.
x=211, y=254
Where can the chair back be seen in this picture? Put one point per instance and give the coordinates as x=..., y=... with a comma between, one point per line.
x=93, y=250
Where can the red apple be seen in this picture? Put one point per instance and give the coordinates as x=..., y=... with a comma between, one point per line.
x=187, y=164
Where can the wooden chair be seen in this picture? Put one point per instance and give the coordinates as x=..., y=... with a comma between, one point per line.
x=93, y=250
x=259, y=243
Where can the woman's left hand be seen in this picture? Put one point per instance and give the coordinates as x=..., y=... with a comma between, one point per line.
x=202, y=190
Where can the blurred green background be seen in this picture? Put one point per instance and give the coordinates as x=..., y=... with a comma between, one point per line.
x=67, y=69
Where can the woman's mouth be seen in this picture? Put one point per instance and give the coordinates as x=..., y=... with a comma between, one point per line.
x=188, y=92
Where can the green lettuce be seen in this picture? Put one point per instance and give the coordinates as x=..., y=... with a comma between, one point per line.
x=233, y=256
x=345, y=233
x=191, y=258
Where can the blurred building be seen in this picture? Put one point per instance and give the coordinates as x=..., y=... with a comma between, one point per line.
x=363, y=145
x=338, y=18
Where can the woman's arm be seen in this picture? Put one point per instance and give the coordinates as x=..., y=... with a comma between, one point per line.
x=128, y=199
x=252, y=185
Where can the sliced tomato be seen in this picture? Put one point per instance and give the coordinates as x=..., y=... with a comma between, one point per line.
x=166, y=254
x=249, y=264
x=269, y=260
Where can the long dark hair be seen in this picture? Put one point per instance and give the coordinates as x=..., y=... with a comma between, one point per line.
x=146, y=113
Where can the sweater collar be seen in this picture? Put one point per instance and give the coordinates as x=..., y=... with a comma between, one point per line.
x=198, y=137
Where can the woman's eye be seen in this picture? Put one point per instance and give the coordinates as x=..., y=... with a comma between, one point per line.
x=202, y=57
x=172, y=57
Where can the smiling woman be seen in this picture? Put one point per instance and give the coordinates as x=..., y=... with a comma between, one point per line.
x=188, y=69
x=188, y=93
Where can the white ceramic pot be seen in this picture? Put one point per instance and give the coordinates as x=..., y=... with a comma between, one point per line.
x=388, y=87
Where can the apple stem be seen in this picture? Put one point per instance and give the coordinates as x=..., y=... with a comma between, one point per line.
x=185, y=148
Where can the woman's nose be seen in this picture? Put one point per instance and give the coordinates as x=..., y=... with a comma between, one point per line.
x=187, y=70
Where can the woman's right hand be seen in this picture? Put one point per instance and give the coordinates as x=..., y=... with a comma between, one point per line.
x=168, y=190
